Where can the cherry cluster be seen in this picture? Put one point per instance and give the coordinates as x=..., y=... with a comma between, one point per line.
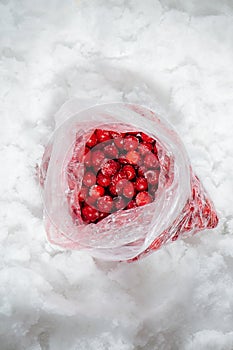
x=121, y=171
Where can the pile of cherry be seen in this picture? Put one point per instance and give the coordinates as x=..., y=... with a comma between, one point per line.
x=121, y=171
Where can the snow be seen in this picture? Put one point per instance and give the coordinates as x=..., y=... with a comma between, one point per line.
x=179, y=53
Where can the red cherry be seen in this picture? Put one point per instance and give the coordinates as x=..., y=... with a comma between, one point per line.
x=119, y=176
x=120, y=185
x=87, y=159
x=143, y=198
x=141, y=170
x=119, y=203
x=97, y=158
x=151, y=161
x=146, y=138
x=119, y=142
x=102, y=135
x=103, y=180
x=129, y=171
x=123, y=160
x=110, y=168
x=133, y=157
x=89, y=214
x=141, y=184
x=128, y=190
x=131, y=204
x=102, y=215
x=112, y=189
x=105, y=204
x=130, y=142
x=92, y=141
x=90, y=200
x=83, y=194
x=89, y=179
x=114, y=134
x=152, y=176
x=96, y=191
x=144, y=148
x=111, y=151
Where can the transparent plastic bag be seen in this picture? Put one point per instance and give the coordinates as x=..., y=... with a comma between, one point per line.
x=181, y=205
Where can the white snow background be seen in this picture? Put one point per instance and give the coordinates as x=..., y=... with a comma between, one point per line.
x=177, y=52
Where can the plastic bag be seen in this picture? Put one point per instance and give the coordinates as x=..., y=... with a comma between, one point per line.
x=180, y=205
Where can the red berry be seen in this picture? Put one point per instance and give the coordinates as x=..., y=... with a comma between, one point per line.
x=89, y=214
x=130, y=142
x=146, y=138
x=110, y=167
x=111, y=151
x=119, y=142
x=123, y=160
x=89, y=179
x=102, y=135
x=128, y=190
x=141, y=170
x=114, y=134
x=144, y=148
x=133, y=157
x=92, y=141
x=141, y=184
x=129, y=171
x=90, y=200
x=87, y=159
x=152, y=176
x=103, y=180
x=143, y=198
x=119, y=203
x=105, y=204
x=97, y=158
x=102, y=215
x=112, y=189
x=83, y=194
x=119, y=176
x=151, y=161
x=120, y=185
x=96, y=191
x=131, y=204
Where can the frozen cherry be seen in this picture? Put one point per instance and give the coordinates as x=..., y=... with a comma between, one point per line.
x=87, y=159
x=112, y=189
x=97, y=158
x=145, y=147
x=92, y=141
x=129, y=171
x=114, y=134
x=119, y=142
x=143, y=198
x=111, y=151
x=96, y=191
x=141, y=184
x=102, y=216
x=146, y=138
x=151, y=161
x=128, y=190
x=83, y=194
x=110, y=167
x=141, y=170
x=130, y=142
x=102, y=135
x=131, y=204
x=103, y=180
x=89, y=179
x=133, y=157
x=105, y=204
x=119, y=203
x=152, y=176
x=89, y=213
